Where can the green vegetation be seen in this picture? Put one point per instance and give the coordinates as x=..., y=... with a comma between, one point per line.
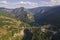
x=11, y=28
x=4, y=13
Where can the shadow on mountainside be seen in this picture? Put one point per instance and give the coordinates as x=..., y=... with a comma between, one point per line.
x=27, y=35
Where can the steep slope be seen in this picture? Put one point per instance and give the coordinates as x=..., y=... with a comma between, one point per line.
x=23, y=15
x=50, y=17
x=39, y=9
x=9, y=27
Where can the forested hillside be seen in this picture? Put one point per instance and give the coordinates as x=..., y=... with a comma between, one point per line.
x=41, y=23
x=9, y=26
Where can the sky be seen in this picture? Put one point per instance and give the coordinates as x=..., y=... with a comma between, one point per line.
x=28, y=3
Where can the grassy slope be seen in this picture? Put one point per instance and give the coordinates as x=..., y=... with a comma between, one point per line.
x=9, y=26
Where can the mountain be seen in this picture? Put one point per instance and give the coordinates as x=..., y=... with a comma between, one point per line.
x=5, y=9
x=18, y=13
x=9, y=25
x=33, y=10
x=39, y=9
x=52, y=16
x=13, y=22
x=23, y=14
x=41, y=15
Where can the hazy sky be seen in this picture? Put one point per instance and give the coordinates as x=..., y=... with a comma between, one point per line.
x=28, y=3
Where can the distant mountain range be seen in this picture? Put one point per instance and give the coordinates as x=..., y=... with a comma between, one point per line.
x=52, y=16
x=41, y=15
